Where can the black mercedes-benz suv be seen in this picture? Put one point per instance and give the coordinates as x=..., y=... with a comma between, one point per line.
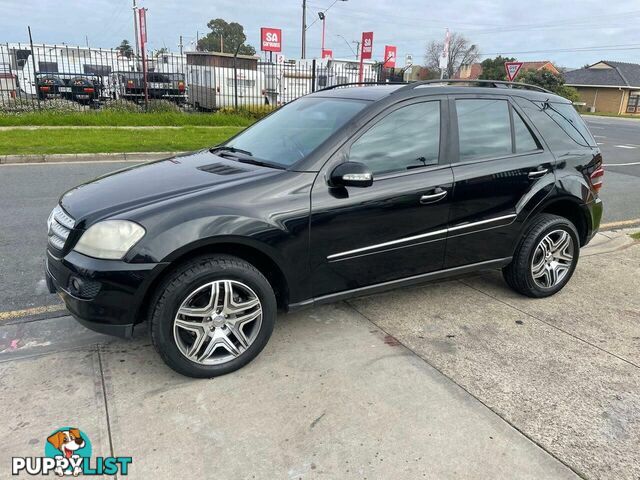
x=343, y=192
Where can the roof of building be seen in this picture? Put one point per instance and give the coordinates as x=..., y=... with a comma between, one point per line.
x=473, y=71
x=607, y=74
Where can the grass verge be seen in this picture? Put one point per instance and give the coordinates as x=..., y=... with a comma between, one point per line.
x=107, y=140
x=125, y=119
x=635, y=236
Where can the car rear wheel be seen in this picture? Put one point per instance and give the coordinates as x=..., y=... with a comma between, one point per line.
x=212, y=315
x=546, y=257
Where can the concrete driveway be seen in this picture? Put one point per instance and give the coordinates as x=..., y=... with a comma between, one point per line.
x=458, y=379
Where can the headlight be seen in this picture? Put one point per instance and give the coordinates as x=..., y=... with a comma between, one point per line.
x=110, y=239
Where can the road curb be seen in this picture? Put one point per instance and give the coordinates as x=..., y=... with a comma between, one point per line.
x=87, y=157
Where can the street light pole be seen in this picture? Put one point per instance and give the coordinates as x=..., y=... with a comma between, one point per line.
x=323, y=17
x=304, y=29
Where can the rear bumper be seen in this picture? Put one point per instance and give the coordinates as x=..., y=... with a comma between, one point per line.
x=103, y=295
x=595, y=210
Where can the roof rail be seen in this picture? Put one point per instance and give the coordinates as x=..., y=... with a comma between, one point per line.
x=350, y=84
x=487, y=83
x=449, y=81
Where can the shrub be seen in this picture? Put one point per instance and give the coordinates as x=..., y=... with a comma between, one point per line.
x=121, y=106
x=24, y=105
x=162, y=106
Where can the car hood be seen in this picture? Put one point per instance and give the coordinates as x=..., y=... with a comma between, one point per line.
x=144, y=184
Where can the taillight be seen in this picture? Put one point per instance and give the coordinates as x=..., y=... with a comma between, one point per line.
x=597, y=178
x=88, y=90
x=129, y=83
x=181, y=86
x=45, y=89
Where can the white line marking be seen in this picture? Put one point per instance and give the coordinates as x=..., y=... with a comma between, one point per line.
x=600, y=143
x=629, y=147
x=620, y=164
x=599, y=136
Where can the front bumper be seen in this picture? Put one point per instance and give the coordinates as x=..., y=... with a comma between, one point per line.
x=103, y=295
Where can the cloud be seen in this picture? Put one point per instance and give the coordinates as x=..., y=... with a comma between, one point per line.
x=504, y=26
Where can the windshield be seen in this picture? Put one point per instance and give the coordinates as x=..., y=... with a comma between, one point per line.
x=297, y=129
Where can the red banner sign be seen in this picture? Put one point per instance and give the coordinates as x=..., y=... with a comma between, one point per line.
x=366, y=47
x=326, y=53
x=390, y=56
x=143, y=24
x=271, y=39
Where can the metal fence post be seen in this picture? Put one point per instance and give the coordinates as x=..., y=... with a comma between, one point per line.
x=313, y=76
x=33, y=61
x=235, y=82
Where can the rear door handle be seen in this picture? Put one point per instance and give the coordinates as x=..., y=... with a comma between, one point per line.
x=538, y=173
x=433, y=197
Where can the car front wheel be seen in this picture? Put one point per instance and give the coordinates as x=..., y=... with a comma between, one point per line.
x=212, y=315
x=546, y=257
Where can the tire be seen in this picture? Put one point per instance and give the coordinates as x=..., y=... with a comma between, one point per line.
x=182, y=339
x=537, y=270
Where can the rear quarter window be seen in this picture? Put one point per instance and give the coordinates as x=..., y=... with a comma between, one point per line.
x=560, y=125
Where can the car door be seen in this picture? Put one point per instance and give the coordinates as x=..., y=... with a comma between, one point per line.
x=500, y=168
x=396, y=227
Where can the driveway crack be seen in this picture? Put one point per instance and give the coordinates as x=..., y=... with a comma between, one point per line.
x=478, y=399
x=549, y=324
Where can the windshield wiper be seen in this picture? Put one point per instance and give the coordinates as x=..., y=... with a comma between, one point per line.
x=244, y=156
x=261, y=163
x=223, y=148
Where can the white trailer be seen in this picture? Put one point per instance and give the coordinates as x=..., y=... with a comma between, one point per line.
x=213, y=81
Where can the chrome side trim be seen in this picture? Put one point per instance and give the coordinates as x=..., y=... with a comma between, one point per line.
x=482, y=222
x=335, y=256
x=386, y=244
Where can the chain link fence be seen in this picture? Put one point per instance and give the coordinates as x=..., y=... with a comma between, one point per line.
x=66, y=78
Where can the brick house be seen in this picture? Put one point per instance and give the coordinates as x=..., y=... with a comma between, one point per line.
x=474, y=70
x=608, y=87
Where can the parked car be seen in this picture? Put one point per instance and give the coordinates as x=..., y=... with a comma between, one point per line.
x=167, y=86
x=344, y=192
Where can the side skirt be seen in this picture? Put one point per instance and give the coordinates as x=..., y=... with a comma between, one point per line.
x=401, y=282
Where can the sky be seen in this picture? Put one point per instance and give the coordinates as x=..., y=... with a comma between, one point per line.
x=570, y=33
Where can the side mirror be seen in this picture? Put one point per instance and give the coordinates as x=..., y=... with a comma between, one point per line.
x=351, y=174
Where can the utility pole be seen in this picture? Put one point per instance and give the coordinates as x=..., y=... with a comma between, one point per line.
x=180, y=45
x=221, y=44
x=304, y=29
x=135, y=28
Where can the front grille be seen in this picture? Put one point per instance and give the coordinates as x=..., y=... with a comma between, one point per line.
x=60, y=224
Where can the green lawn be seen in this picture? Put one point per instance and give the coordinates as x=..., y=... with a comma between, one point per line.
x=115, y=119
x=111, y=140
x=635, y=236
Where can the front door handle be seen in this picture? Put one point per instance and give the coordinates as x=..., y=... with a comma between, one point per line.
x=538, y=173
x=433, y=197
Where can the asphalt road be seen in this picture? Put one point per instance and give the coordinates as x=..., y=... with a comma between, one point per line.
x=29, y=192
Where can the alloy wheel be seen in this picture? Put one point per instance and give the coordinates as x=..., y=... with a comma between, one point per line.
x=217, y=322
x=552, y=259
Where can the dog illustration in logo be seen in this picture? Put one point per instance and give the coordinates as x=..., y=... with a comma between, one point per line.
x=68, y=441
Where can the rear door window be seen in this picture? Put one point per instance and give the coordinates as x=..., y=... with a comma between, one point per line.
x=484, y=128
x=525, y=141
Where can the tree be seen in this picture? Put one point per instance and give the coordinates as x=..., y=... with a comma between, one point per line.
x=546, y=79
x=493, y=68
x=232, y=35
x=160, y=51
x=125, y=49
x=461, y=52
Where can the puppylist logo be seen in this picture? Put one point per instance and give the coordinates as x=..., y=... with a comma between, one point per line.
x=68, y=452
